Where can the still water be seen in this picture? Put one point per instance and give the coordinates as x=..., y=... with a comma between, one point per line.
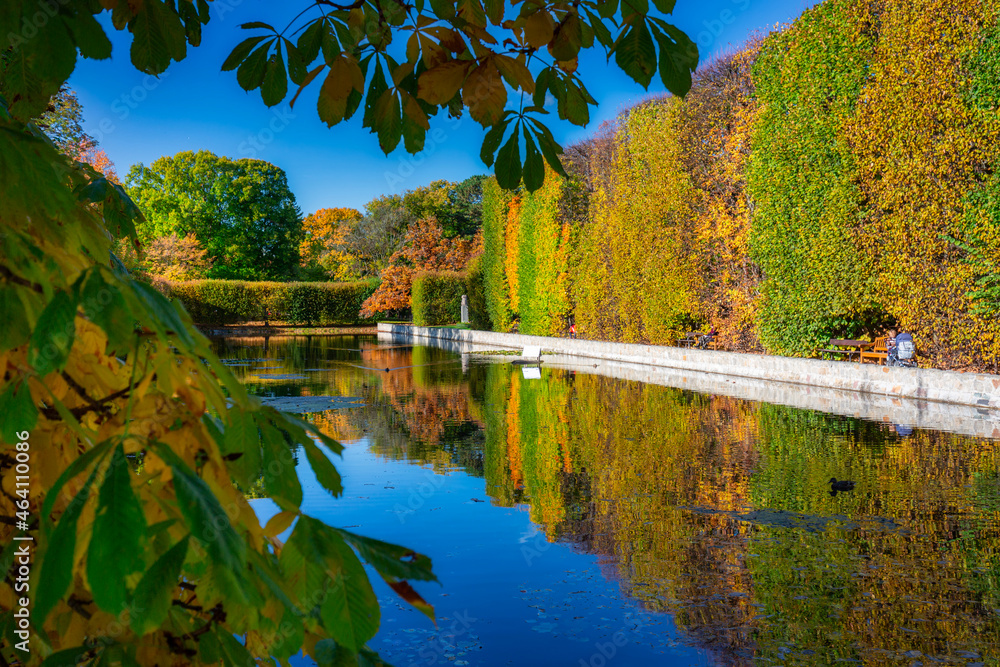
x=577, y=519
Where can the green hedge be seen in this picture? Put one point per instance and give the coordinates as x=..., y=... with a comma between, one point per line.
x=236, y=301
x=437, y=297
x=475, y=287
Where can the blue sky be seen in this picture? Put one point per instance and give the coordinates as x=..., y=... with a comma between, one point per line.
x=194, y=106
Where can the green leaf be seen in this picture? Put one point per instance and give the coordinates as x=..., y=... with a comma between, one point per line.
x=444, y=9
x=632, y=7
x=607, y=8
x=242, y=50
x=290, y=638
x=665, y=6
x=234, y=654
x=492, y=141
x=508, y=164
x=541, y=85
x=80, y=464
x=118, y=536
x=157, y=37
x=349, y=609
x=550, y=148
x=163, y=316
x=204, y=515
x=251, y=73
x=377, y=86
x=678, y=58
x=534, y=166
x=242, y=436
x=311, y=39
x=326, y=473
x=53, y=335
x=391, y=561
x=56, y=571
x=636, y=55
x=275, y=84
x=18, y=411
x=70, y=656
x=104, y=304
x=155, y=591
x=388, y=121
x=280, y=478
x=16, y=329
x=600, y=29
x=89, y=36
x=256, y=25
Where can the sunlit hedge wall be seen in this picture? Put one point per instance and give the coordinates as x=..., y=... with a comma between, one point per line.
x=237, y=301
x=831, y=179
x=802, y=178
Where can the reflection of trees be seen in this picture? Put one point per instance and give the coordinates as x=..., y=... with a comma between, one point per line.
x=662, y=481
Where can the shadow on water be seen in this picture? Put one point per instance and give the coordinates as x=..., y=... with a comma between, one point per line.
x=713, y=510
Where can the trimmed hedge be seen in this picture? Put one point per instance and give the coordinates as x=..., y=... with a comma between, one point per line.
x=437, y=297
x=236, y=301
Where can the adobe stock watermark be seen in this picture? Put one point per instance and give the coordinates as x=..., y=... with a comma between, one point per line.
x=123, y=105
x=252, y=146
x=441, y=647
x=715, y=27
x=419, y=495
x=32, y=23
x=606, y=651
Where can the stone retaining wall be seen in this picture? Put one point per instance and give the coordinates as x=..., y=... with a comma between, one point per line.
x=905, y=390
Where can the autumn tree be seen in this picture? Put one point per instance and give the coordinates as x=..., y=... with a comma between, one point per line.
x=425, y=248
x=323, y=250
x=178, y=258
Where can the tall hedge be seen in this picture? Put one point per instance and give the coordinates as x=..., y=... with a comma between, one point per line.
x=818, y=280
x=544, y=246
x=437, y=297
x=636, y=280
x=236, y=301
x=926, y=136
x=495, y=288
x=832, y=179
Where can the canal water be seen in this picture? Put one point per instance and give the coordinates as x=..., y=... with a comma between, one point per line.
x=576, y=519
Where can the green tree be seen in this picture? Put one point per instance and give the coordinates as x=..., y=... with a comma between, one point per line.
x=63, y=123
x=241, y=211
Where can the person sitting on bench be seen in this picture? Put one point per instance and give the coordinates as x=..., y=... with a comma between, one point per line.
x=703, y=341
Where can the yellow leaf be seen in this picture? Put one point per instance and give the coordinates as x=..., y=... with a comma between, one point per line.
x=279, y=523
x=516, y=74
x=539, y=29
x=485, y=94
x=439, y=84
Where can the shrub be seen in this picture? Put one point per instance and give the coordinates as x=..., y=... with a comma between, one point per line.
x=236, y=301
x=437, y=297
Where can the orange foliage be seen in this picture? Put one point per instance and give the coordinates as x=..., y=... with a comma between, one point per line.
x=425, y=249
x=323, y=246
x=88, y=153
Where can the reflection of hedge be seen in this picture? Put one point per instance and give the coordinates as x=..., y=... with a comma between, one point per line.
x=437, y=297
x=236, y=301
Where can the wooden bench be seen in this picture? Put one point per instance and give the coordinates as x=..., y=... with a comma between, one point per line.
x=877, y=352
x=848, y=348
x=693, y=339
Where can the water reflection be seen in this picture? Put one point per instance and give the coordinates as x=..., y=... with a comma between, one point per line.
x=714, y=509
